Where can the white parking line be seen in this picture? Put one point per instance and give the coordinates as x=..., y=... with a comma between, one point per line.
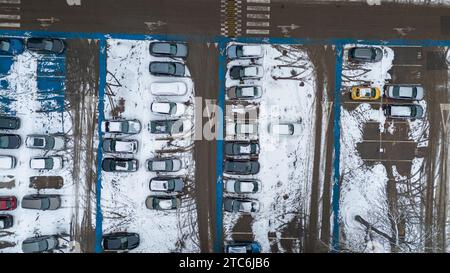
x=258, y=24
x=9, y=24
x=9, y=1
x=389, y=141
x=258, y=8
x=386, y=160
x=9, y=17
x=258, y=16
x=259, y=1
x=405, y=65
x=52, y=76
x=258, y=31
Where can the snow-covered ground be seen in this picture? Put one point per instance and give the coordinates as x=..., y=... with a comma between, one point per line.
x=29, y=223
x=288, y=95
x=123, y=194
x=363, y=186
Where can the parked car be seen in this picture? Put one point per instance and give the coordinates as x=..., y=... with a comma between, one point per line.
x=8, y=203
x=243, y=167
x=173, y=69
x=10, y=141
x=287, y=129
x=40, y=244
x=121, y=126
x=163, y=202
x=46, y=142
x=168, y=184
x=167, y=164
x=11, y=46
x=365, y=93
x=247, y=92
x=404, y=92
x=242, y=247
x=240, y=205
x=241, y=148
x=7, y=162
x=113, y=145
x=119, y=165
x=168, y=88
x=404, y=111
x=170, y=127
x=9, y=123
x=242, y=186
x=244, y=51
x=239, y=128
x=41, y=201
x=365, y=54
x=169, y=49
x=240, y=72
x=6, y=221
x=46, y=163
x=120, y=241
x=172, y=109
x=46, y=45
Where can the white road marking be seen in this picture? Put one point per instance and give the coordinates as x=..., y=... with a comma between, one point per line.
x=387, y=160
x=389, y=141
x=258, y=31
x=9, y=17
x=258, y=8
x=259, y=1
x=9, y=24
x=258, y=24
x=10, y=2
x=415, y=65
x=73, y=2
x=258, y=16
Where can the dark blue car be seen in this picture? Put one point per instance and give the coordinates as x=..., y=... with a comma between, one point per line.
x=11, y=46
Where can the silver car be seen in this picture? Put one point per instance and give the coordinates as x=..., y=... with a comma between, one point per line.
x=169, y=49
x=40, y=244
x=405, y=92
x=41, y=201
x=168, y=164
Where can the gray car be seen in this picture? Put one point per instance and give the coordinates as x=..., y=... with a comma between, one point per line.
x=404, y=92
x=40, y=244
x=240, y=205
x=173, y=69
x=242, y=167
x=365, y=54
x=249, y=92
x=10, y=141
x=9, y=123
x=168, y=164
x=46, y=45
x=403, y=111
x=169, y=184
x=41, y=201
x=46, y=142
x=163, y=202
x=169, y=49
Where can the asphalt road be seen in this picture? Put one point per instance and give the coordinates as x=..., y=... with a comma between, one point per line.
x=276, y=18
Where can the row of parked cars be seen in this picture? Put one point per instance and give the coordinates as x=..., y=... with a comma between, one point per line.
x=16, y=46
x=400, y=92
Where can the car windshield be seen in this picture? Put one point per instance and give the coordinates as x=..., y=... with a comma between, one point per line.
x=374, y=92
x=48, y=45
x=4, y=46
x=414, y=92
x=45, y=203
x=4, y=141
x=239, y=51
x=173, y=49
x=48, y=163
x=125, y=126
x=38, y=246
x=413, y=111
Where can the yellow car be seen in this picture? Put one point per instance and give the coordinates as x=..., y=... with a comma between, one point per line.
x=365, y=93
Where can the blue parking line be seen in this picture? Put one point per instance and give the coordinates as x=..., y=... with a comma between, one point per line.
x=101, y=116
x=337, y=147
x=219, y=153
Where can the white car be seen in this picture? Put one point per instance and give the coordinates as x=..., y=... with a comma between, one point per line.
x=242, y=186
x=114, y=145
x=46, y=142
x=46, y=163
x=7, y=162
x=244, y=51
x=238, y=128
x=246, y=72
x=168, y=88
x=121, y=126
x=173, y=109
x=286, y=129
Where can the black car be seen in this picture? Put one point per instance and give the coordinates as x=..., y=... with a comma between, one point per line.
x=119, y=165
x=6, y=221
x=9, y=141
x=169, y=49
x=365, y=54
x=9, y=123
x=120, y=241
x=171, y=127
x=46, y=45
x=243, y=167
x=241, y=148
x=173, y=69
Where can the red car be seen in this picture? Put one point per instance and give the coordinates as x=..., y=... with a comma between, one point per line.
x=8, y=202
